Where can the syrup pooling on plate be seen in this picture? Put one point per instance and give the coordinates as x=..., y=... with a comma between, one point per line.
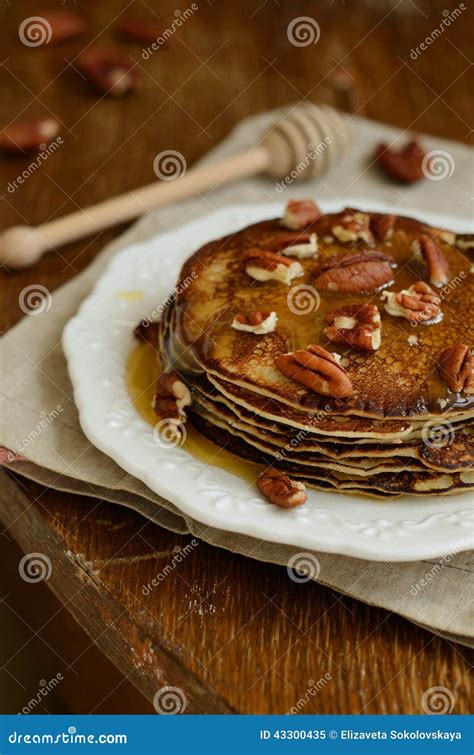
x=141, y=373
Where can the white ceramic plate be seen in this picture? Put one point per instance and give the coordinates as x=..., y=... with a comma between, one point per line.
x=97, y=342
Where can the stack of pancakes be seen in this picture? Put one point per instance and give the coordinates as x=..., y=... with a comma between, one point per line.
x=401, y=431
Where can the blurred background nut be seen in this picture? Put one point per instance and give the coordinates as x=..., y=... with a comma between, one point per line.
x=28, y=135
x=109, y=70
x=64, y=24
x=404, y=165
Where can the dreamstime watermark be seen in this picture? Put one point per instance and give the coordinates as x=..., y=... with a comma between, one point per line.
x=314, y=151
x=303, y=299
x=442, y=295
x=303, y=31
x=180, y=554
x=35, y=567
x=300, y=436
x=44, y=689
x=170, y=701
x=35, y=31
x=444, y=292
x=438, y=165
x=437, y=568
x=35, y=299
x=169, y=164
x=45, y=152
x=303, y=567
x=180, y=18
x=437, y=434
x=313, y=689
x=448, y=18
x=46, y=418
x=170, y=432
x=155, y=315
x=437, y=701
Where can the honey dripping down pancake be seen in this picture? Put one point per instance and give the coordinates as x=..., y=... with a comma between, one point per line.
x=333, y=349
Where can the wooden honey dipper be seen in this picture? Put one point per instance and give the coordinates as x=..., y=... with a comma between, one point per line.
x=304, y=143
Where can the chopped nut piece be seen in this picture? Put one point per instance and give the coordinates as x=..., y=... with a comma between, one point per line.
x=382, y=226
x=259, y=323
x=280, y=490
x=419, y=304
x=436, y=262
x=413, y=340
x=355, y=325
x=264, y=266
x=456, y=368
x=292, y=243
x=172, y=397
x=65, y=24
x=354, y=273
x=317, y=369
x=353, y=226
x=109, y=70
x=302, y=251
x=28, y=135
x=404, y=165
x=300, y=213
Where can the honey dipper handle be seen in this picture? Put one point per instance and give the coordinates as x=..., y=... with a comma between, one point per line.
x=21, y=246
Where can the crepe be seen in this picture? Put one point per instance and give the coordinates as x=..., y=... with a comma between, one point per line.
x=400, y=428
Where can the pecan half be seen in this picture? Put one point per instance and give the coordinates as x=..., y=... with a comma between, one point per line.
x=109, y=70
x=355, y=325
x=382, y=226
x=172, y=397
x=257, y=322
x=280, y=490
x=300, y=213
x=352, y=227
x=456, y=368
x=28, y=135
x=263, y=265
x=317, y=369
x=354, y=273
x=418, y=304
x=141, y=30
x=436, y=263
x=291, y=243
x=404, y=165
x=64, y=24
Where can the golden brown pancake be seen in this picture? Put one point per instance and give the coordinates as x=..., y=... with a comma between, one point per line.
x=401, y=432
x=399, y=380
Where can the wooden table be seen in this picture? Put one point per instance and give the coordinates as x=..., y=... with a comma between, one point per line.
x=235, y=635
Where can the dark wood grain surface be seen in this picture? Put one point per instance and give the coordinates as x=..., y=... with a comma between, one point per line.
x=233, y=634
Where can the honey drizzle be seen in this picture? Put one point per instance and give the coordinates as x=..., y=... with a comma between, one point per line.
x=140, y=375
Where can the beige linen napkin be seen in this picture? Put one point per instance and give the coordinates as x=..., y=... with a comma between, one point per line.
x=40, y=421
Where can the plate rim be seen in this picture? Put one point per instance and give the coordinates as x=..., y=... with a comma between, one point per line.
x=233, y=523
